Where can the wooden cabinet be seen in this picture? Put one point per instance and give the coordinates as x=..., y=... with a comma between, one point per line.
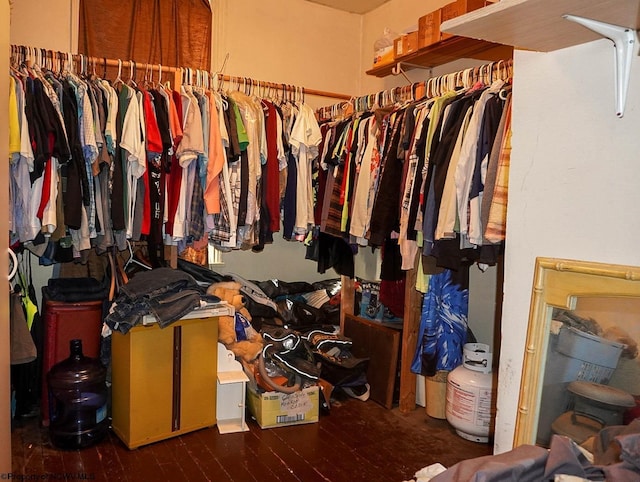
x=407, y=338
x=164, y=380
x=380, y=343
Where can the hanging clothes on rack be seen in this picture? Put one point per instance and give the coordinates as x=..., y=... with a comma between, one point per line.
x=99, y=163
x=419, y=175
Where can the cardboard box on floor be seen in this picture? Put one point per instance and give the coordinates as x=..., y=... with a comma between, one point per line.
x=275, y=409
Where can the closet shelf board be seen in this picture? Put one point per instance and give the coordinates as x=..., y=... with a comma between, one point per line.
x=446, y=51
x=538, y=24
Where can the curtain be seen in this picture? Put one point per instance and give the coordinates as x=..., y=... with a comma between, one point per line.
x=174, y=33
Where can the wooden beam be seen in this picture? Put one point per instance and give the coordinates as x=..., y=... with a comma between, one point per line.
x=411, y=324
x=347, y=299
x=171, y=256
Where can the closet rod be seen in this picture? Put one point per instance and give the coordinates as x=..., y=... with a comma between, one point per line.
x=432, y=87
x=102, y=62
x=290, y=88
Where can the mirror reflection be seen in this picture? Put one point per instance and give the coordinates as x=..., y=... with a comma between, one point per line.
x=581, y=369
x=592, y=372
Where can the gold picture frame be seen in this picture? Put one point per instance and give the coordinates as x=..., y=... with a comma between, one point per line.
x=559, y=283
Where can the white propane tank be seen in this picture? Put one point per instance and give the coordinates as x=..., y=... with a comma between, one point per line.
x=471, y=394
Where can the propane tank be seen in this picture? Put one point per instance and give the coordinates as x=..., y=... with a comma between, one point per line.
x=470, y=406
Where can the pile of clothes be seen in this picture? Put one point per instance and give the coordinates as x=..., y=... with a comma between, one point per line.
x=299, y=324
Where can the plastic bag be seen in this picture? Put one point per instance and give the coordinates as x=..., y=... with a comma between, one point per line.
x=383, y=47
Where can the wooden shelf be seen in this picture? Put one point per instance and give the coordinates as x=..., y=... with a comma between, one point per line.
x=381, y=345
x=538, y=24
x=446, y=51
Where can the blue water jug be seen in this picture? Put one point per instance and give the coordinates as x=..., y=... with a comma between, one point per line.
x=78, y=400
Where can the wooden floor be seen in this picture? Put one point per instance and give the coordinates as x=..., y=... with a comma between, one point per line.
x=357, y=441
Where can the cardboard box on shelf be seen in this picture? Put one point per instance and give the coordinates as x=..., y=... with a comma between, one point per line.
x=398, y=48
x=429, y=29
x=410, y=42
x=275, y=409
x=457, y=8
x=405, y=44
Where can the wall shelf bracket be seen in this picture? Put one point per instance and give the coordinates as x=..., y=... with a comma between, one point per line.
x=398, y=70
x=623, y=39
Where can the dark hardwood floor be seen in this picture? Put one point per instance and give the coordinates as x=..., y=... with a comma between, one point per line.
x=357, y=441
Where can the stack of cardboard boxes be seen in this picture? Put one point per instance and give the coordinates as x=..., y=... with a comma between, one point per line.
x=428, y=32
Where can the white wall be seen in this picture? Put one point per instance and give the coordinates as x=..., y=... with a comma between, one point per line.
x=291, y=42
x=482, y=308
x=573, y=186
x=54, y=27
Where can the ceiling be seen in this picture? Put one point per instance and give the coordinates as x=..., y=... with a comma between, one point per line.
x=353, y=6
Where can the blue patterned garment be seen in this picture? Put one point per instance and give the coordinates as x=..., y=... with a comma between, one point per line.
x=443, y=326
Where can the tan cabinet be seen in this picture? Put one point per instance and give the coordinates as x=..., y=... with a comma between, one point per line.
x=164, y=380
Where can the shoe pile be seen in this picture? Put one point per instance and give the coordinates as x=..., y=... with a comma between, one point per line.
x=286, y=363
x=338, y=365
x=291, y=361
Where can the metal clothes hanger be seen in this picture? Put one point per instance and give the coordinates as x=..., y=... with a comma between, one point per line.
x=132, y=259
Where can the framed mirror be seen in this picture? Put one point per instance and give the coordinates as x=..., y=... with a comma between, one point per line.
x=584, y=324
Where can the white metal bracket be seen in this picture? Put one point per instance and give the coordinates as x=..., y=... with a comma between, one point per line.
x=623, y=39
x=398, y=70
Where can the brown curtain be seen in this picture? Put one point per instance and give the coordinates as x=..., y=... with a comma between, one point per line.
x=175, y=33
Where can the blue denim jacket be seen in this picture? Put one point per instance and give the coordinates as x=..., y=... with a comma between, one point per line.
x=166, y=293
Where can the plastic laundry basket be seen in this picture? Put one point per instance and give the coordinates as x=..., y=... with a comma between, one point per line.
x=590, y=357
x=573, y=355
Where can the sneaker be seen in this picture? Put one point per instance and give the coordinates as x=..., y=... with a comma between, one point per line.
x=361, y=392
